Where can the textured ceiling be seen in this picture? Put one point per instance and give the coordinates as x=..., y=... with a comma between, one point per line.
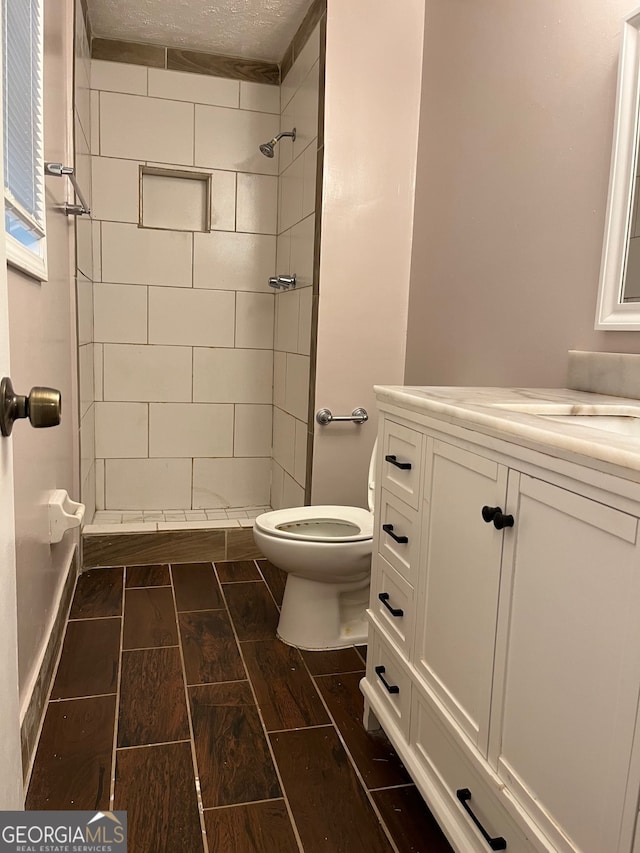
x=253, y=29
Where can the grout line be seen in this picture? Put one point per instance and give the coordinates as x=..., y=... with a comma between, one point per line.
x=300, y=728
x=151, y=586
x=192, y=741
x=79, y=698
x=150, y=745
x=342, y=672
x=248, y=803
x=355, y=768
x=112, y=782
x=149, y=648
x=94, y=618
x=268, y=587
x=260, y=717
x=393, y=787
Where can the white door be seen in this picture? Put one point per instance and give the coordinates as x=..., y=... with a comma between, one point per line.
x=10, y=758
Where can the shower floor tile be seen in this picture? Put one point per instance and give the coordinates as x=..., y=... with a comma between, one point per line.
x=138, y=521
x=241, y=743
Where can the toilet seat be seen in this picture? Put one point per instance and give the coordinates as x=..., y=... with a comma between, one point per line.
x=318, y=524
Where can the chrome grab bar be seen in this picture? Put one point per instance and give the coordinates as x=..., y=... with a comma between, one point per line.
x=59, y=171
x=357, y=416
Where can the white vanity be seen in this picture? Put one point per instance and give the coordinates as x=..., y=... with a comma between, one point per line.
x=504, y=622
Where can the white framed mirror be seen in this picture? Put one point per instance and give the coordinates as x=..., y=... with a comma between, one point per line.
x=619, y=294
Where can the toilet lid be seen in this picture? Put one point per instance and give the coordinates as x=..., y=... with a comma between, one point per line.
x=318, y=523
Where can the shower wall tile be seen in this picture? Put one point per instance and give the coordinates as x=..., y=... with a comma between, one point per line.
x=254, y=320
x=304, y=110
x=115, y=189
x=300, y=459
x=132, y=255
x=118, y=77
x=301, y=67
x=195, y=88
x=292, y=493
x=95, y=123
x=87, y=443
x=98, y=372
x=261, y=97
x=277, y=484
x=148, y=483
x=279, y=378
x=283, y=253
x=191, y=317
x=96, y=244
x=140, y=128
x=252, y=430
x=232, y=375
x=85, y=377
x=100, y=500
x=257, y=204
x=233, y=261
x=309, y=172
x=284, y=436
x=200, y=429
x=231, y=482
x=84, y=291
x=291, y=188
x=287, y=317
x=229, y=139
x=296, y=399
x=147, y=374
x=120, y=313
x=84, y=246
x=302, y=237
x=304, y=320
x=122, y=430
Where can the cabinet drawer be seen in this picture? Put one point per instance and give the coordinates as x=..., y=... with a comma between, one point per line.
x=398, y=535
x=402, y=462
x=444, y=762
x=384, y=665
x=392, y=603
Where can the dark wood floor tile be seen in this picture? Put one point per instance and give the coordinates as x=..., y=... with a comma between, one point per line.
x=276, y=579
x=149, y=618
x=153, y=707
x=328, y=803
x=156, y=787
x=412, y=826
x=285, y=691
x=209, y=647
x=72, y=767
x=255, y=828
x=196, y=587
x=154, y=547
x=238, y=570
x=98, y=593
x=241, y=545
x=372, y=752
x=362, y=651
x=147, y=576
x=253, y=613
x=333, y=661
x=89, y=660
x=234, y=762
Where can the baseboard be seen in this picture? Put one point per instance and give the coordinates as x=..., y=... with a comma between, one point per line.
x=32, y=716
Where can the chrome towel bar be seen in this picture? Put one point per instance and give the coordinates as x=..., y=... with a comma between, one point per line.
x=357, y=416
x=59, y=171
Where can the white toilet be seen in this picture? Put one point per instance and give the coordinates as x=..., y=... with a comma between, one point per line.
x=326, y=551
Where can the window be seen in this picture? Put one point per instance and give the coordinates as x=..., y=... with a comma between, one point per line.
x=22, y=25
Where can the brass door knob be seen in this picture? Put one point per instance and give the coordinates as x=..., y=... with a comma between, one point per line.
x=43, y=407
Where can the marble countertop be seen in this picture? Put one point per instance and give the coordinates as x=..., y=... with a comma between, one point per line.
x=518, y=415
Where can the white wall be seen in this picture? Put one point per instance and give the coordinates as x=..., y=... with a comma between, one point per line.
x=183, y=320
x=296, y=227
x=43, y=352
x=373, y=79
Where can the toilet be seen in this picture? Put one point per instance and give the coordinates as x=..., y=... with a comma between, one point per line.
x=326, y=552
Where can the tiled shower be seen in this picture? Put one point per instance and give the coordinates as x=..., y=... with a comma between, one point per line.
x=194, y=373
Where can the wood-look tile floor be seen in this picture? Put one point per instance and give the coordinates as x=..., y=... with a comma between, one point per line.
x=174, y=700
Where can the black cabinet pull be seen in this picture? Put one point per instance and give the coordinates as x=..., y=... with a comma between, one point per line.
x=388, y=528
x=495, y=514
x=392, y=688
x=394, y=611
x=497, y=843
x=404, y=466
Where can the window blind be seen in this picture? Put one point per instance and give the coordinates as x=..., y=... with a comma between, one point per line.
x=23, y=157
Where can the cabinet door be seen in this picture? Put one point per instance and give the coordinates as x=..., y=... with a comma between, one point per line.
x=459, y=584
x=568, y=672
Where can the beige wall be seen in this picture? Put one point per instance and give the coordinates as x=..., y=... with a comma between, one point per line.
x=371, y=124
x=513, y=168
x=42, y=341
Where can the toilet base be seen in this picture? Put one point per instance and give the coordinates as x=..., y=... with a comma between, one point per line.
x=317, y=615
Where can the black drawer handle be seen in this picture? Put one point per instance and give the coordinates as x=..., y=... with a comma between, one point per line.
x=495, y=514
x=404, y=466
x=394, y=611
x=497, y=843
x=388, y=528
x=392, y=688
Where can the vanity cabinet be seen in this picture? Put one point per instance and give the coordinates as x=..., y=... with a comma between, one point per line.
x=504, y=642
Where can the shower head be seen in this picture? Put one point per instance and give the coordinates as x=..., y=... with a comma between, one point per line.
x=268, y=148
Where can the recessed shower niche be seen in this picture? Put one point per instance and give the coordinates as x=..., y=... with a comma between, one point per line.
x=175, y=199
